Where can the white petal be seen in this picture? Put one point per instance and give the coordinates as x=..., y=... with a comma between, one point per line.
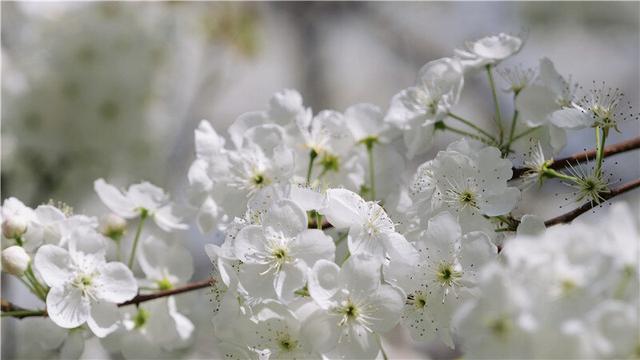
x=104, y=318
x=312, y=245
x=184, y=326
x=535, y=103
x=551, y=78
x=286, y=216
x=361, y=274
x=476, y=250
x=500, y=204
x=404, y=110
x=418, y=139
x=443, y=232
x=285, y=106
x=290, y=278
x=364, y=120
x=388, y=302
x=67, y=307
x=398, y=248
x=344, y=208
x=168, y=220
x=146, y=195
x=442, y=77
x=208, y=143
x=242, y=124
x=249, y=241
x=531, y=225
x=359, y=241
x=208, y=215
x=115, y=283
x=52, y=264
x=572, y=118
x=158, y=260
x=114, y=199
x=323, y=281
x=320, y=331
x=73, y=347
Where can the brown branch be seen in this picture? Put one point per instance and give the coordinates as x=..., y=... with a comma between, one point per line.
x=20, y=313
x=585, y=156
x=568, y=217
x=160, y=294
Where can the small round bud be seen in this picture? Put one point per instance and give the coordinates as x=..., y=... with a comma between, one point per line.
x=113, y=226
x=15, y=260
x=14, y=227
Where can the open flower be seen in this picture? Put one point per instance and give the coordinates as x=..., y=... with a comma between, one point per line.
x=438, y=282
x=415, y=110
x=84, y=287
x=277, y=334
x=371, y=231
x=355, y=308
x=277, y=254
x=470, y=181
x=489, y=50
x=165, y=266
x=144, y=199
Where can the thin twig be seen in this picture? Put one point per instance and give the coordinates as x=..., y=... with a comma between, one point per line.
x=585, y=156
x=568, y=217
x=160, y=294
x=9, y=309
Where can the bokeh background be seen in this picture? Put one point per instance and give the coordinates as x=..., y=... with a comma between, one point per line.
x=115, y=89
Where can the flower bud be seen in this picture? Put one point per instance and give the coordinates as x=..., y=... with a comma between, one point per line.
x=14, y=227
x=113, y=226
x=15, y=260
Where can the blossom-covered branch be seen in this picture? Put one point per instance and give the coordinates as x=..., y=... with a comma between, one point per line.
x=571, y=215
x=624, y=146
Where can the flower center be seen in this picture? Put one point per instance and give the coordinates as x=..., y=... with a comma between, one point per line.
x=287, y=344
x=447, y=275
x=467, y=198
x=164, y=284
x=259, y=180
x=500, y=327
x=417, y=299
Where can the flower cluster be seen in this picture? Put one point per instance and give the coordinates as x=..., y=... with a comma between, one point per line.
x=337, y=228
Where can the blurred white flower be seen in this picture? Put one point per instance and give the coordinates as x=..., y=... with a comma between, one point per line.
x=489, y=50
x=140, y=200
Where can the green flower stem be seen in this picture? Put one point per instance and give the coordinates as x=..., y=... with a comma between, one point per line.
x=472, y=125
x=524, y=133
x=40, y=291
x=312, y=157
x=372, y=180
x=341, y=238
x=550, y=173
x=498, y=116
x=601, y=138
x=512, y=130
x=444, y=126
x=143, y=216
x=23, y=313
x=19, y=241
x=318, y=220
